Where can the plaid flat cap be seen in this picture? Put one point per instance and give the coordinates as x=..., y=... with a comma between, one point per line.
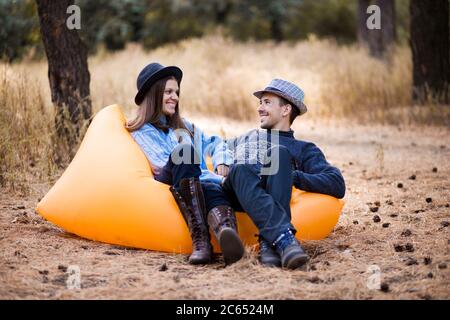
x=288, y=91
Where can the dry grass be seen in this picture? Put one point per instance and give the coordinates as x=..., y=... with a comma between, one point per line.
x=219, y=78
x=343, y=87
x=26, y=145
x=32, y=250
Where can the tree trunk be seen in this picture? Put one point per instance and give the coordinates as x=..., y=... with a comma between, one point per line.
x=388, y=29
x=67, y=71
x=429, y=39
x=363, y=32
x=275, y=30
x=379, y=41
x=222, y=10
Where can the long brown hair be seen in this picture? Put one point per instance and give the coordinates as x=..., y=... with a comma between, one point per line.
x=151, y=110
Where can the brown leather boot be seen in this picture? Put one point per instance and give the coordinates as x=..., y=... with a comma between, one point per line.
x=191, y=202
x=222, y=221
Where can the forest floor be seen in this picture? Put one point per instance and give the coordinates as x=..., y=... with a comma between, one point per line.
x=395, y=220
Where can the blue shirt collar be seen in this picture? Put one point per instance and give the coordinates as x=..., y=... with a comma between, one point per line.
x=163, y=119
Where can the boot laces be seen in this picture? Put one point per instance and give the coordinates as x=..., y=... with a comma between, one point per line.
x=285, y=239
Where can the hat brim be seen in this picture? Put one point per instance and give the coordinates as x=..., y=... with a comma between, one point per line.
x=163, y=73
x=299, y=105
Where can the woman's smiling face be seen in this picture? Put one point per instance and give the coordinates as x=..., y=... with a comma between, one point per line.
x=170, y=97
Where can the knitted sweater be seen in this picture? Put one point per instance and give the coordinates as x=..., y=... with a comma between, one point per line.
x=310, y=170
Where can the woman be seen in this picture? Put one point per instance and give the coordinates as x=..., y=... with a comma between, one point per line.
x=176, y=151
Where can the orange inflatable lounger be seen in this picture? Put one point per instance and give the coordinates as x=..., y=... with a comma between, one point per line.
x=108, y=194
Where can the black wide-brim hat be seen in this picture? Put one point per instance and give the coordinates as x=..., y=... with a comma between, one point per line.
x=152, y=73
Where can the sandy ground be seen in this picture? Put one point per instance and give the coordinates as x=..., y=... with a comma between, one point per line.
x=389, y=173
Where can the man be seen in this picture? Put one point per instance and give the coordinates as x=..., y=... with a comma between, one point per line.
x=265, y=192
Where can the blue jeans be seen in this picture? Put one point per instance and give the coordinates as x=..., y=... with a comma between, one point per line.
x=265, y=198
x=172, y=173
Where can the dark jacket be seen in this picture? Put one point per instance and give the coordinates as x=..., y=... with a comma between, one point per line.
x=310, y=170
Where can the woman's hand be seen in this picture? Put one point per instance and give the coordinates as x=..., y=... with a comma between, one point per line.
x=222, y=170
x=156, y=170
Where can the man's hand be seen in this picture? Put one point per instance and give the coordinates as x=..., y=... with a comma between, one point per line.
x=222, y=170
x=223, y=181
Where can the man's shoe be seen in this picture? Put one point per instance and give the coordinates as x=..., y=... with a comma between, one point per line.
x=222, y=221
x=267, y=254
x=292, y=254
